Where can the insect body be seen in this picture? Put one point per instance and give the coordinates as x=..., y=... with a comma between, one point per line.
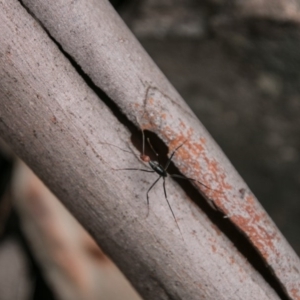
x=156, y=167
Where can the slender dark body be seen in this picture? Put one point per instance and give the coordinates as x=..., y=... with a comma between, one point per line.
x=162, y=172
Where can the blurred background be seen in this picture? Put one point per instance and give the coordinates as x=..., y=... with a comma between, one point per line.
x=236, y=63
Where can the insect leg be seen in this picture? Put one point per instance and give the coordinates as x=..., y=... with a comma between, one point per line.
x=152, y=185
x=173, y=153
x=164, y=186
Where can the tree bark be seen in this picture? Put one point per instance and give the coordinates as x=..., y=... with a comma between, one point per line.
x=73, y=264
x=68, y=136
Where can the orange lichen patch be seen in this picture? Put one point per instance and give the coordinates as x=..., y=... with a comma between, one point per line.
x=213, y=166
x=190, y=132
x=214, y=248
x=203, y=140
x=216, y=174
x=296, y=294
x=195, y=166
x=250, y=200
x=146, y=127
x=224, y=185
x=251, y=232
x=252, y=211
x=184, y=156
x=195, y=148
x=190, y=152
x=260, y=237
x=176, y=142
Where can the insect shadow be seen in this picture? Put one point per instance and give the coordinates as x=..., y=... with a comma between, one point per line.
x=161, y=170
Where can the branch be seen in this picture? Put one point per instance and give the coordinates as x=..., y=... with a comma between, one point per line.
x=149, y=100
x=64, y=132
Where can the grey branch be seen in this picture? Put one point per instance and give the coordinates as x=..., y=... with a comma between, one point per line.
x=65, y=132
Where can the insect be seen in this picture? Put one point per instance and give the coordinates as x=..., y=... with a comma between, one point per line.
x=161, y=171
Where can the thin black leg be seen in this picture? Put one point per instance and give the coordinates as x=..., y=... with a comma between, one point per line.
x=165, y=191
x=153, y=184
x=173, y=153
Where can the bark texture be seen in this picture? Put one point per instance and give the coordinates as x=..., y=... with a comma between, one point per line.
x=68, y=136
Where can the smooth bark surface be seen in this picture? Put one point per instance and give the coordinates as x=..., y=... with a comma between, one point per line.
x=68, y=136
x=105, y=49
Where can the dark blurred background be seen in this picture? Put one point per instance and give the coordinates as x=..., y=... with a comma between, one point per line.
x=236, y=63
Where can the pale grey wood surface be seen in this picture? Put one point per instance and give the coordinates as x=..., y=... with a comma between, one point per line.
x=58, y=125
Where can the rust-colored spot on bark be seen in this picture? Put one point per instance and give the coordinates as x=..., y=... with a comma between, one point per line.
x=164, y=116
x=197, y=149
x=213, y=166
x=250, y=200
x=295, y=293
x=203, y=140
x=190, y=154
x=223, y=183
x=255, y=228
